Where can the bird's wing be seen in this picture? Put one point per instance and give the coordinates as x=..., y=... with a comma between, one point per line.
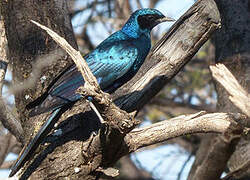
x=108, y=63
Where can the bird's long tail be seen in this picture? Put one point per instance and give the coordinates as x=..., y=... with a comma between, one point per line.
x=30, y=147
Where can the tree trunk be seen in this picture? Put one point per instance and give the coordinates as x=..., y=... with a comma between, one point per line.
x=35, y=58
x=31, y=50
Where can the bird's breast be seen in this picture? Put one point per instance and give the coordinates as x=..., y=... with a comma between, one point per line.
x=143, y=45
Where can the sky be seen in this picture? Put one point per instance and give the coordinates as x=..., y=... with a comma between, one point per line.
x=164, y=162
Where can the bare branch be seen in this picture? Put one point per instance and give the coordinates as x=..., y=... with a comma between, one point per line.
x=168, y=102
x=186, y=124
x=219, y=148
x=10, y=121
x=3, y=53
x=237, y=94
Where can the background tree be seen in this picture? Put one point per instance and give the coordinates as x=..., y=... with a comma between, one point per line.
x=192, y=90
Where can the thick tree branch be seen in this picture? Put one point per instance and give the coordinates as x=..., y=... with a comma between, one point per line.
x=221, y=148
x=237, y=173
x=3, y=53
x=186, y=124
x=10, y=121
x=237, y=94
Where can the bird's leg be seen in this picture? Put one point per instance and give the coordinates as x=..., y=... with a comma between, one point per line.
x=86, y=145
x=96, y=111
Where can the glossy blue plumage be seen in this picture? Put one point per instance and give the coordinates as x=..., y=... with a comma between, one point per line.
x=114, y=62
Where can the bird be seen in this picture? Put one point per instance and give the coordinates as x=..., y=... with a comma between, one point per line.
x=113, y=62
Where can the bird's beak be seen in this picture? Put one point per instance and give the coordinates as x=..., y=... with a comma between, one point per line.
x=164, y=19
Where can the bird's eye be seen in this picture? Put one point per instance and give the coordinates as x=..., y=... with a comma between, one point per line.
x=146, y=21
x=150, y=17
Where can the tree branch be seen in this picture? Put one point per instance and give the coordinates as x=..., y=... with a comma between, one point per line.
x=237, y=173
x=237, y=94
x=200, y=122
x=7, y=164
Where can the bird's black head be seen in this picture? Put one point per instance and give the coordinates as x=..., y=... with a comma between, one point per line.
x=143, y=21
x=148, y=21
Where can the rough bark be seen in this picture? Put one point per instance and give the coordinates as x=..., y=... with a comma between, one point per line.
x=27, y=44
x=7, y=118
x=33, y=53
x=232, y=49
x=70, y=155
